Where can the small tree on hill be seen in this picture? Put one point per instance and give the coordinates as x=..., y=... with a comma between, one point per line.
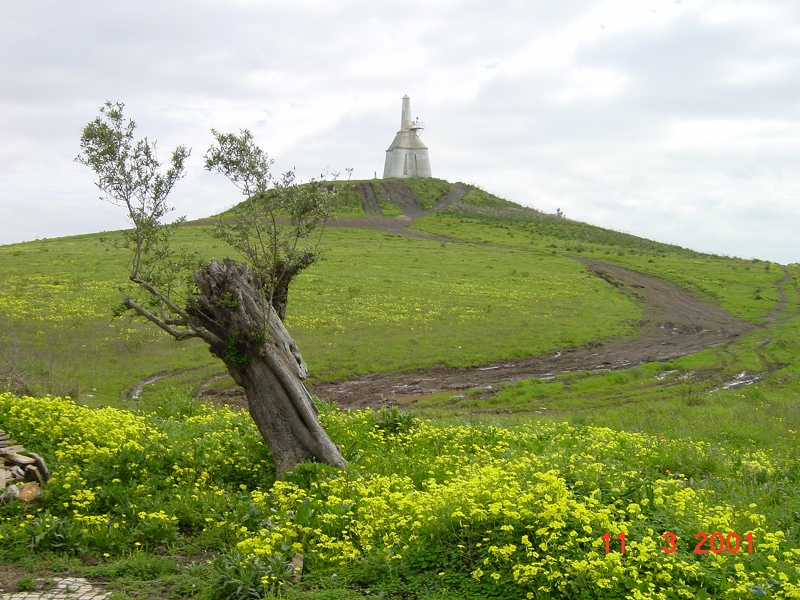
x=229, y=306
x=278, y=227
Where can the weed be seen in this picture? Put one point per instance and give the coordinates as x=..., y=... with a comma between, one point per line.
x=235, y=350
x=692, y=395
x=26, y=583
x=237, y=576
x=393, y=420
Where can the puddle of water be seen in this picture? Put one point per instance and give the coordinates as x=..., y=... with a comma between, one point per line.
x=743, y=378
x=663, y=375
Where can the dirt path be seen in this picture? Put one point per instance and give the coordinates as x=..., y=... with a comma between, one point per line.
x=369, y=201
x=407, y=202
x=674, y=324
x=398, y=193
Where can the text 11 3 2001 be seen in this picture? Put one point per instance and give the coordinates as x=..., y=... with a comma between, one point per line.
x=716, y=542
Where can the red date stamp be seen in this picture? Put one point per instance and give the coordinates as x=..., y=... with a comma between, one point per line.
x=716, y=542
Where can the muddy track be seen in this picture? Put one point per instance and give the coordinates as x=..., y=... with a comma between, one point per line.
x=779, y=314
x=135, y=391
x=402, y=196
x=399, y=193
x=456, y=194
x=674, y=324
x=369, y=201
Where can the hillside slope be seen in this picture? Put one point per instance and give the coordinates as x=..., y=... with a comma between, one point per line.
x=506, y=489
x=460, y=279
x=675, y=322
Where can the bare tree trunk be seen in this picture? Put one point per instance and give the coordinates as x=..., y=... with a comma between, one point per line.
x=262, y=358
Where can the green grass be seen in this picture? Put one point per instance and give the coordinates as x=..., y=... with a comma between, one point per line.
x=57, y=298
x=174, y=498
x=484, y=199
x=439, y=304
x=745, y=288
x=428, y=191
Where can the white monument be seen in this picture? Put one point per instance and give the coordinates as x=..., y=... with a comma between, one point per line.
x=407, y=156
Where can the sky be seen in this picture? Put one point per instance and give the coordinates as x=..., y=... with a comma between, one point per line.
x=674, y=120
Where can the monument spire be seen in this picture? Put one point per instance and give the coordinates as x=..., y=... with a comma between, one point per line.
x=407, y=156
x=405, y=119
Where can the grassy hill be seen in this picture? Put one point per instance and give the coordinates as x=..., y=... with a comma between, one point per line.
x=476, y=493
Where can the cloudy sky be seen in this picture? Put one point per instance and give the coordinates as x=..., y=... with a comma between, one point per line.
x=677, y=120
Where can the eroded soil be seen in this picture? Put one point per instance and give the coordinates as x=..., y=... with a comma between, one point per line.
x=674, y=324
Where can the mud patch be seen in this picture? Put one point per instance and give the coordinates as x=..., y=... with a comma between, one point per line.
x=742, y=379
x=135, y=392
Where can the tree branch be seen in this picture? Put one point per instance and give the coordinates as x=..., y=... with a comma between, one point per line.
x=177, y=334
x=190, y=332
x=170, y=304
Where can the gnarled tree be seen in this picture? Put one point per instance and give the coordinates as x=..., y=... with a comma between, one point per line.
x=230, y=306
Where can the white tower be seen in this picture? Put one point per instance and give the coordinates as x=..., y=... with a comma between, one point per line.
x=407, y=156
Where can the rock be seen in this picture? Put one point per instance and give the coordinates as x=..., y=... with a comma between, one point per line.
x=10, y=493
x=18, y=465
x=297, y=569
x=29, y=492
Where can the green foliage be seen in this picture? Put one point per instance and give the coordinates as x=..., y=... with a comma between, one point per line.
x=514, y=225
x=236, y=351
x=26, y=583
x=139, y=565
x=428, y=191
x=390, y=210
x=129, y=176
x=439, y=511
x=122, y=481
x=348, y=201
x=241, y=577
x=393, y=420
x=727, y=281
x=448, y=508
x=277, y=229
x=482, y=198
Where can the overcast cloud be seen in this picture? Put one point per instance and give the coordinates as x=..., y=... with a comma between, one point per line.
x=674, y=120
